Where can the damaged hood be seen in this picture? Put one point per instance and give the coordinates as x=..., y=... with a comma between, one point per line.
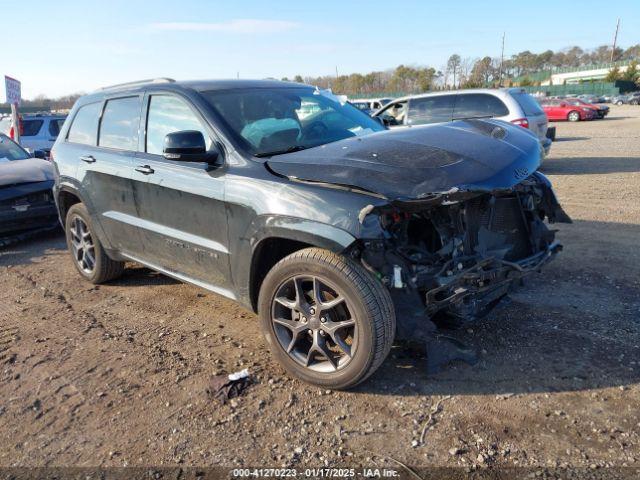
x=416, y=162
x=29, y=170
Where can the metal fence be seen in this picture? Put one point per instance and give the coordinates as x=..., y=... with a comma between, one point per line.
x=595, y=88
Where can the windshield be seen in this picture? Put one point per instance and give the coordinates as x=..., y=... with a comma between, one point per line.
x=9, y=150
x=272, y=121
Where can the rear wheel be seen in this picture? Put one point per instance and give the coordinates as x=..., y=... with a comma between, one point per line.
x=619, y=102
x=86, y=250
x=573, y=116
x=326, y=319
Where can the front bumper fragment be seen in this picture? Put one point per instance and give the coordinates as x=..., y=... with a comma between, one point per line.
x=471, y=292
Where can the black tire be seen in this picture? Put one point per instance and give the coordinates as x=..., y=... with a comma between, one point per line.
x=102, y=268
x=573, y=116
x=367, y=300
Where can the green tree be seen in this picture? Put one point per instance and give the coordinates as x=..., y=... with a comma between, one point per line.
x=632, y=73
x=298, y=78
x=613, y=75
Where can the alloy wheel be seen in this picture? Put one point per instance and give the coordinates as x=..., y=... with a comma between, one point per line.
x=313, y=323
x=82, y=245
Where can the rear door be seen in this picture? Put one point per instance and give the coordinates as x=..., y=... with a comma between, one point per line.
x=427, y=110
x=104, y=137
x=478, y=105
x=181, y=204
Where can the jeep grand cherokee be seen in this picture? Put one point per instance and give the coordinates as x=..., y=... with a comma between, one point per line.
x=341, y=234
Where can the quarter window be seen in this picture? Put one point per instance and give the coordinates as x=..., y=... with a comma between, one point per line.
x=169, y=114
x=434, y=109
x=478, y=105
x=84, y=128
x=119, y=126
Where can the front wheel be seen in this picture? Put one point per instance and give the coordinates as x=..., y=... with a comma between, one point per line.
x=326, y=319
x=573, y=116
x=619, y=102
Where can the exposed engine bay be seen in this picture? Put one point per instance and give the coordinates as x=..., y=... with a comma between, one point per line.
x=456, y=255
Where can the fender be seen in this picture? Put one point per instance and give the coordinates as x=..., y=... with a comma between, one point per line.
x=266, y=227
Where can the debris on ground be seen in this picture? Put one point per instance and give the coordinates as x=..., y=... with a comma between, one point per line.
x=225, y=387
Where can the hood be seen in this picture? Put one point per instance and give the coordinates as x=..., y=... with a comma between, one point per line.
x=416, y=162
x=30, y=170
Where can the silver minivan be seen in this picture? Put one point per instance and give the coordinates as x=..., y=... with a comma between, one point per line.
x=512, y=105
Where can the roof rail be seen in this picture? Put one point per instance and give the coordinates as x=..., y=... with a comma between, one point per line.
x=138, y=83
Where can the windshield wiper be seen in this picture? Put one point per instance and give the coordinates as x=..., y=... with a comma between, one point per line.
x=291, y=149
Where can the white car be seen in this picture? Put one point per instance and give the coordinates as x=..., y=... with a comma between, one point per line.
x=512, y=105
x=38, y=132
x=369, y=105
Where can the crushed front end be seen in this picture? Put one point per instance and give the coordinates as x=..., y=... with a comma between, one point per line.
x=455, y=255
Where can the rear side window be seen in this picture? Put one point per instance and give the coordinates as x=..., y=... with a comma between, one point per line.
x=430, y=109
x=84, y=128
x=168, y=114
x=31, y=127
x=478, y=105
x=119, y=125
x=55, y=126
x=528, y=104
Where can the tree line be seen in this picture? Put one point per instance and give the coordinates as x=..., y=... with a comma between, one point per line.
x=459, y=72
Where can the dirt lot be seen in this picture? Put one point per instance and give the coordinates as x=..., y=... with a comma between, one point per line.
x=116, y=375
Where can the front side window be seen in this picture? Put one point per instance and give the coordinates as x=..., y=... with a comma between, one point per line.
x=119, y=126
x=478, y=105
x=10, y=150
x=168, y=114
x=30, y=128
x=427, y=110
x=84, y=128
x=271, y=121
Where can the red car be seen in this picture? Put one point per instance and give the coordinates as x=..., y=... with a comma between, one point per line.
x=601, y=110
x=561, y=110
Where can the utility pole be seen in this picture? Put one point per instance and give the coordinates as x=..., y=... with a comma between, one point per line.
x=615, y=39
x=336, y=71
x=501, y=61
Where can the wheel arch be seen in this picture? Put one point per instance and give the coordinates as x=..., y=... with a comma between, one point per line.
x=282, y=237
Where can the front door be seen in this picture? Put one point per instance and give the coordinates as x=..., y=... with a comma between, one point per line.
x=181, y=204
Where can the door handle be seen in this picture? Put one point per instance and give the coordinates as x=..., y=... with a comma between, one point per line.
x=88, y=158
x=144, y=169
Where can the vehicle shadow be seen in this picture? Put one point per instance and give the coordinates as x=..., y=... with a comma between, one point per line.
x=25, y=249
x=590, y=165
x=138, y=276
x=574, y=327
x=570, y=139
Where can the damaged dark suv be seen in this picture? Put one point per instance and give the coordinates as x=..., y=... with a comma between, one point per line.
x=341, y=234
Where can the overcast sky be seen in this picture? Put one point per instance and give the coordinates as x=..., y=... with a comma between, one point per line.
x=61, y=47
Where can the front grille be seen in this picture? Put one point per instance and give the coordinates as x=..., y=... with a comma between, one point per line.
x=503, y=216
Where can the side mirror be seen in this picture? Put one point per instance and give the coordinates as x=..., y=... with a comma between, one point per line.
x=187, y=146
x=40, y=154
x=563, y=104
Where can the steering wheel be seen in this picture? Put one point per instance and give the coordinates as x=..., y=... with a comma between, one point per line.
x=316, y=129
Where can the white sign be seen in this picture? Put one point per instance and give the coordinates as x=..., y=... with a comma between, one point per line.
x=12, y=88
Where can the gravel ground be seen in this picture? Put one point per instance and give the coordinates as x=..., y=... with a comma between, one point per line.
x=117, y=375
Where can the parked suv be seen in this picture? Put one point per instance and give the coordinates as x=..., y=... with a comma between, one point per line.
x=512, y=105
x=39, y=132
x=325, y=225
